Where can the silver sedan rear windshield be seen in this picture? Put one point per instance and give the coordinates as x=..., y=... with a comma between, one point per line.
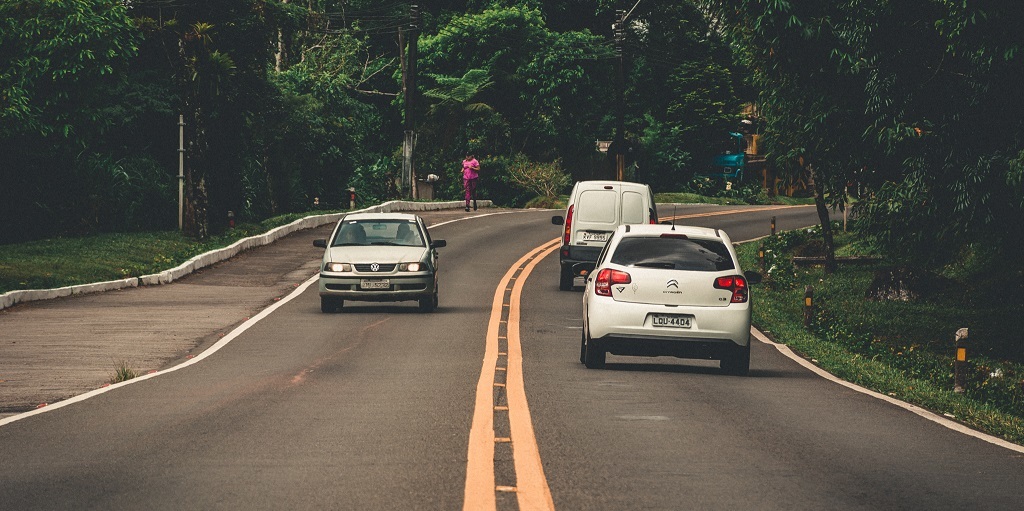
x=673, y=254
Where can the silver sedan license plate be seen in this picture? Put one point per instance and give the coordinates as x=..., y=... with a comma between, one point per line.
x=374, y=284
x=671, y=320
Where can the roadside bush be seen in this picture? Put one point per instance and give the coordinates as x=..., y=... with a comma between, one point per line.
x=911, y=338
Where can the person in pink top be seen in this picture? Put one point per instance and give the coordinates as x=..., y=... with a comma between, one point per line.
x=470, y=169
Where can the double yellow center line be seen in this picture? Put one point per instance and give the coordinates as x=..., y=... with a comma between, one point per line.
x=503, y=458
x=501, y=416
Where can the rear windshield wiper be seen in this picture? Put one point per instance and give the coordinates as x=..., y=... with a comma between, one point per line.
x=656, y=264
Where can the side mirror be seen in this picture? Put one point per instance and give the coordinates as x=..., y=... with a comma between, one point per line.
x=753, y=277
x=438, y=244
x=320, y=243
x=558, y=220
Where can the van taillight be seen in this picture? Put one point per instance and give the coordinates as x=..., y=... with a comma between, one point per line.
x=606, y=278
x=737, y=284
x=568, y=225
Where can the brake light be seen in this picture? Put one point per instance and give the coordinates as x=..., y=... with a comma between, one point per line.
x=606, y=278
x=735, y=283
x=653, y=217
x=568, y=225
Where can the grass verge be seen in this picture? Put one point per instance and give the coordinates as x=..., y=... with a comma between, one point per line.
x=902, y=349
x=59, y=262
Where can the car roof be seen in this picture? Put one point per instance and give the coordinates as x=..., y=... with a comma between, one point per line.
x=595, y=184
x=659, y=229
x=381, y=216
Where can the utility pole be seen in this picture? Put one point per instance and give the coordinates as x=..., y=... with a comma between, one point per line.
x=181, y=169
x=408, y=173
x=620, y=88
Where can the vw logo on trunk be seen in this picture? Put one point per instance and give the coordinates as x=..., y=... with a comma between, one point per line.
x=374, y=267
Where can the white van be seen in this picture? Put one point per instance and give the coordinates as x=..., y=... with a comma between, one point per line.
x=596, y=209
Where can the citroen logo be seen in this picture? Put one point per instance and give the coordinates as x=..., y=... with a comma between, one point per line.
x=672, y=283
x=374, y=267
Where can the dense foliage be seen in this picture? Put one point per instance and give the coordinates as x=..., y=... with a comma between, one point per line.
x=287, y=104
x=915, y=102
x=911, y=106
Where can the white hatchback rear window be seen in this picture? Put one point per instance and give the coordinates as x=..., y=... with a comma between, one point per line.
x=673, y=254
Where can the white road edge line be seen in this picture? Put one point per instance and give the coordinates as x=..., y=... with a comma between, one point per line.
x=938, y=419
x=206, y=353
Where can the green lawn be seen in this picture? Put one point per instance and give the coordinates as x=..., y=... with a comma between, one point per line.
x=903, y=349
x=60, y=262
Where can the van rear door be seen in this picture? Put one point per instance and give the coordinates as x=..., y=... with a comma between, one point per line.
x=634, y=211
x=597, y=214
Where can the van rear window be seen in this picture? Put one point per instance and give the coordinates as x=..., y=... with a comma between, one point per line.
x=633, y=210
x=673, y=254
x=597, y=206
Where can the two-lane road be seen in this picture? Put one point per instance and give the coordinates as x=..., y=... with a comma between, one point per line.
x=373, y=408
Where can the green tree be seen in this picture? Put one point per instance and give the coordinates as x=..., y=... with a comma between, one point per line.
x=915, y=101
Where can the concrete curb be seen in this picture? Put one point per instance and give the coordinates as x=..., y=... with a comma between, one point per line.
x=215, y=256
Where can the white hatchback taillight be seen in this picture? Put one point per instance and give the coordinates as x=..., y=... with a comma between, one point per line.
x=606, y=278
x=735, y=283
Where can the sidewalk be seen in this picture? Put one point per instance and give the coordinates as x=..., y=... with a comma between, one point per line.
x=54, y=349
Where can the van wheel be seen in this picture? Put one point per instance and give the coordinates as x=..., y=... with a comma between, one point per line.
x=565, y=279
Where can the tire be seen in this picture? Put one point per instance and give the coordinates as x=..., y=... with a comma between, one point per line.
x=430, y=303
x=329, y=304
x=738, y=364
x=565, y=279
x=593, y=355
x=583, y=347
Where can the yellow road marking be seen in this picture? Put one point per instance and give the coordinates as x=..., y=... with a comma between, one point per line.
x=532, y=487
x=532, y=491
x=479, y=492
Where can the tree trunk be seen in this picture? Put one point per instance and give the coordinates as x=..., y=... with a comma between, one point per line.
x=826, y=223
x=195, y=221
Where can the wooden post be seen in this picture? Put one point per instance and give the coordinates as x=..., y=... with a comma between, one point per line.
x=808, y=306
x=960, y=362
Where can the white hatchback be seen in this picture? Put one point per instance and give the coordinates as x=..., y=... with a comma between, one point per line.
x=668, y=290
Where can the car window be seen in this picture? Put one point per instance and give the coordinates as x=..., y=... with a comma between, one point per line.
x=633, y=210
x=597, y=206
x=379, y=232
x=673, y=253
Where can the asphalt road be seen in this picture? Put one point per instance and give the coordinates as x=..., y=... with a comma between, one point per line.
x=372, y=409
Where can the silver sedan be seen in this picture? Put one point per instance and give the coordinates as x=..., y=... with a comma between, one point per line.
x=379, y=257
